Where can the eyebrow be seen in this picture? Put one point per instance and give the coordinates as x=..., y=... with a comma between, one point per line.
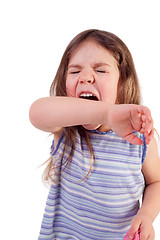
x=74, y=66
x=101, y=64
x=95, y=65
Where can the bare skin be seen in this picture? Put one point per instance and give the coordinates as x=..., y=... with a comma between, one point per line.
x=122, y=119
x=93, y=70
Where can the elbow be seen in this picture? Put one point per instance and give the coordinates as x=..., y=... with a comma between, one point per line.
x=40, y=116
x=34, y=114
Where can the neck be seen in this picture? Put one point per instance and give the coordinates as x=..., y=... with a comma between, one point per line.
x=103, y=128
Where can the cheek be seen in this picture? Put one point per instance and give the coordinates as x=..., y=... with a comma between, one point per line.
x=109, y=93
x=70, y=88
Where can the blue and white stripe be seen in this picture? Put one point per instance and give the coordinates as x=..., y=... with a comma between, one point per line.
x=101, y=206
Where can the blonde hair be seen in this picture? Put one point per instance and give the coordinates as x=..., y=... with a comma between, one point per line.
x=128, y=91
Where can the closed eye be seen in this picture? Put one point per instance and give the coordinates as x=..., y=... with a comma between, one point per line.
x=75, y=72
x=99, y=71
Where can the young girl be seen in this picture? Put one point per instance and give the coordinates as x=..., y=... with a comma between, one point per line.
x=104, y=156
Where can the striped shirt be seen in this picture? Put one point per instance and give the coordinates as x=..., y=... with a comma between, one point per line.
x=103, y=205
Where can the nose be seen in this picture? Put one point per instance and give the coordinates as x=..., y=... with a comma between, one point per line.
x=86, y=77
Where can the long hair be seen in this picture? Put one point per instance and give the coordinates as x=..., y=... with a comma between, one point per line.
x=128, y=91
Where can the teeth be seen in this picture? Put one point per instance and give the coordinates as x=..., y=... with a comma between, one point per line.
x=87, y=95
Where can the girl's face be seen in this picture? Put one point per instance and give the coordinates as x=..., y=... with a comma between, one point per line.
x=92, y=73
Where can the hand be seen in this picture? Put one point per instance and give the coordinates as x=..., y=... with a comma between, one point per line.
x=144, y=224
x=124, y=118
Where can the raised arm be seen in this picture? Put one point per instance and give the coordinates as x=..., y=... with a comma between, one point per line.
x=52, y=113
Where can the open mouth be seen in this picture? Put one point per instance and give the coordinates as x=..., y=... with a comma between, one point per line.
x=89, y=96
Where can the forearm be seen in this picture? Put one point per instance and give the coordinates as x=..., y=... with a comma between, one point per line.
x=51, y=112
x=151, y=201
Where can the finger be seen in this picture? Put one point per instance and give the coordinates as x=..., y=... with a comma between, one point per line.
x=148, y=131
x=152, y=236
x=135, y=225
x=131, y=235
x=144, y=235
x=147, y=127
x=133, y=139
x=146, y=113
x=149, y=136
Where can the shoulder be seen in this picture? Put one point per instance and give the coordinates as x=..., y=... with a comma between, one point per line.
x=151, y=166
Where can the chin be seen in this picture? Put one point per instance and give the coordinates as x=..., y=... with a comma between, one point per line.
x=91, y=126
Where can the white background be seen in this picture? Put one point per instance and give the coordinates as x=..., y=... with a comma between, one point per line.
x=34, y=35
